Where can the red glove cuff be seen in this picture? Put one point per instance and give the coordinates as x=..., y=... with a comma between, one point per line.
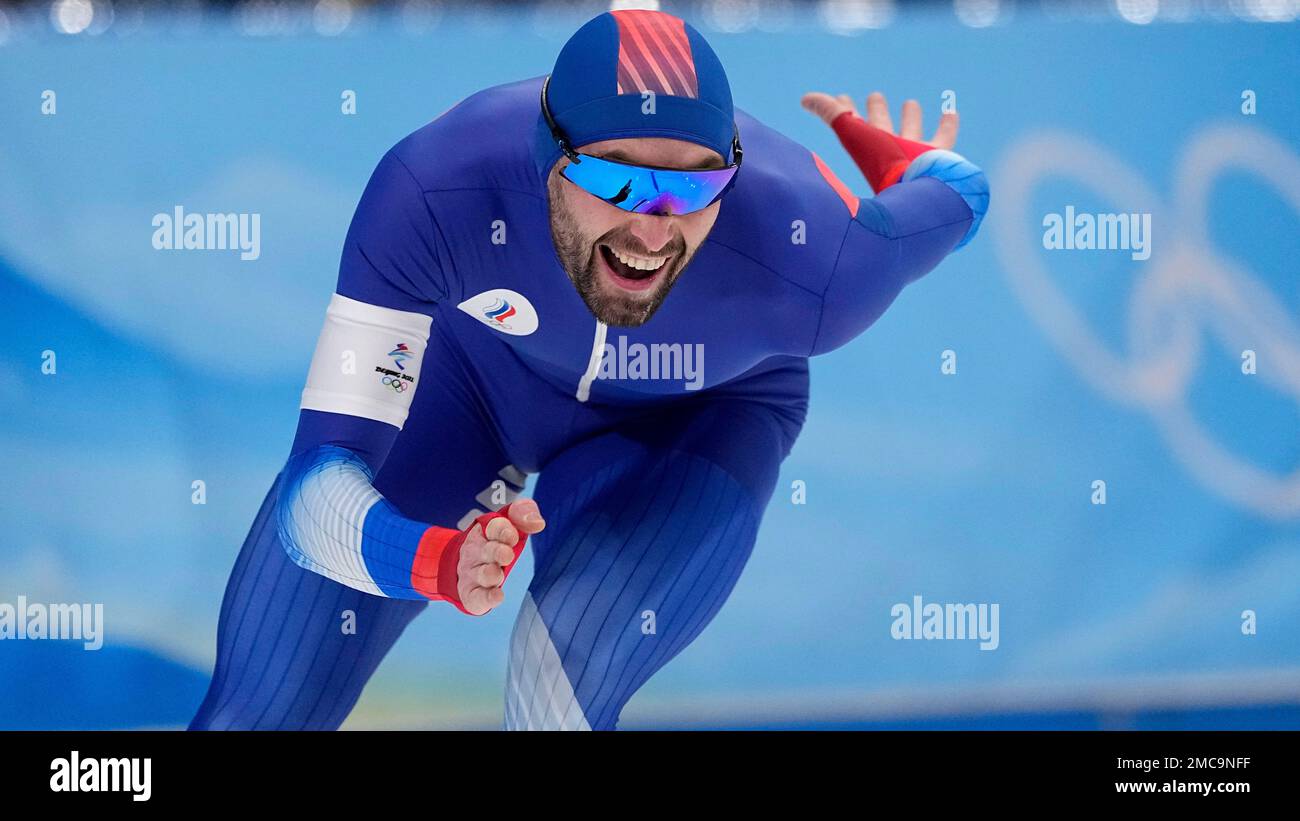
x=433, y=573
x=881, y=156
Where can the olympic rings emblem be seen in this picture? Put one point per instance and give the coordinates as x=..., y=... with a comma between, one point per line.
x=396, y=383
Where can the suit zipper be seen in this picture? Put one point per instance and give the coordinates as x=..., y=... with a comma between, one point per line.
x=593, y=363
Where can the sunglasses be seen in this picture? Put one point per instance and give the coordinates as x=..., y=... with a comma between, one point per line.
x=644, y=189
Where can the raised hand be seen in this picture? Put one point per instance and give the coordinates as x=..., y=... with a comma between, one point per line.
x=828, y=108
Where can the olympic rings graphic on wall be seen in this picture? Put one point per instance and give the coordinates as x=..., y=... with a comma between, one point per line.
x=1194, y=293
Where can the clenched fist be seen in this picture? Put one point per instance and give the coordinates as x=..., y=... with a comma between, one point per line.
x=487, y=552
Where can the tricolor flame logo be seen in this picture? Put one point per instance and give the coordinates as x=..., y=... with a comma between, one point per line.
x=499, y=311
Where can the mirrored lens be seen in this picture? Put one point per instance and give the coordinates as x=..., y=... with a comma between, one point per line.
x=648, y=190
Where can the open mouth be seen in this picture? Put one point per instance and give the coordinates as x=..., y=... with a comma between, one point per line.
x=632, y=272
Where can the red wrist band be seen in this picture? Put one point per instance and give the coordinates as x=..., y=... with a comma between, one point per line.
x=881, y=156
x=434, y=574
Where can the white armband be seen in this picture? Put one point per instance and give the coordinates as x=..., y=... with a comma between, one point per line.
x=367, y=361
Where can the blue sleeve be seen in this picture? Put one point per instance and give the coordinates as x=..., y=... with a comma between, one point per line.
x=331, y=519
x=896, y=238
x=394, y=256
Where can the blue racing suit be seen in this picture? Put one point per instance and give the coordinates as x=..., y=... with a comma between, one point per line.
x=457, y=358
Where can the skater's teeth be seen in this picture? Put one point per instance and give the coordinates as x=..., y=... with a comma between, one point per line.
x=639, y=263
